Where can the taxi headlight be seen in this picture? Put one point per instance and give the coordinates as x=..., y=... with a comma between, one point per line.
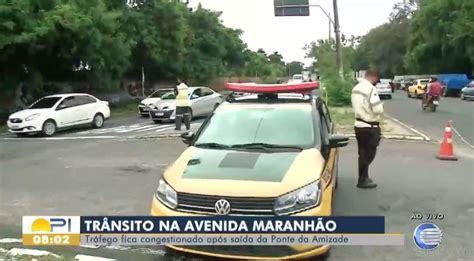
x=166, y=194
x=303, y=198
x=32, y=117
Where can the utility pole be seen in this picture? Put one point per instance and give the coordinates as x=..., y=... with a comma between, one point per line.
x=330, y=29
x=337, y=31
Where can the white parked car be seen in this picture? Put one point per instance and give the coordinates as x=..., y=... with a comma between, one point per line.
x=151, y=100
x=384, y=89
x=203, y=102
x=54, y=112
x=297, y=78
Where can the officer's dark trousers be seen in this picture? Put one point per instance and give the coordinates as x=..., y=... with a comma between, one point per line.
x=368, y=140
x=183, y=113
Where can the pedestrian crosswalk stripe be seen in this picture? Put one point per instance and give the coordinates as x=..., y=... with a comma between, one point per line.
x=150, y=128
x=134, y=128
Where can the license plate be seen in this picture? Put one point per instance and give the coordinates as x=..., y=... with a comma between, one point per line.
x=159, y=114
x=435, y=102
x=15, y=127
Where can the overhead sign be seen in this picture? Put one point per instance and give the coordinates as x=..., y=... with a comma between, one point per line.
x=291, y=7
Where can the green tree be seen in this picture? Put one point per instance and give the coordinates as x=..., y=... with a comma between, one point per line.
x=295, y=67
x=442, y=37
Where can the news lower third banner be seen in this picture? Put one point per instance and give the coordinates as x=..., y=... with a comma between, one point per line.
x=206, y=230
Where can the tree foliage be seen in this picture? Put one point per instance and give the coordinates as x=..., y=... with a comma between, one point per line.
x=102, y=41
x=442, y=37
x=422, y=37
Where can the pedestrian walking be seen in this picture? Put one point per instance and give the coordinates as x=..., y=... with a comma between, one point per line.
x=183, y=109
x=367, y=109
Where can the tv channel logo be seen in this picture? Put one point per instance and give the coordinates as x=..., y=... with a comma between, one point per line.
x=427, y=236
x=51, y=225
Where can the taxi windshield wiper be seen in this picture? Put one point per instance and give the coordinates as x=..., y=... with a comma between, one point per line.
x=260, y=145
x=212, y=145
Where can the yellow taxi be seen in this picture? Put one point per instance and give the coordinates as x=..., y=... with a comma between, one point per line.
x=417, y=88
x=263, y=154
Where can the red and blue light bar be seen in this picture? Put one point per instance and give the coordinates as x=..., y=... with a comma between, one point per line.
x=272, y=88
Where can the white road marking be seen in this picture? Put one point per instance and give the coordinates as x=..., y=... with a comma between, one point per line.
x=92, y=258
x=64, y=138
x=135, y=128
x=412, y=129
x=3, y=250
x=10, y=240
x=165, y=129
x=154, y=127
x=29, y=252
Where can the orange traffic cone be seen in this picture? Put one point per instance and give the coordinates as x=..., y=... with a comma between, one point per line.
x=446, y=151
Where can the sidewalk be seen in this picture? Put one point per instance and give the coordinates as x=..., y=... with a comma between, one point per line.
x=391, y=127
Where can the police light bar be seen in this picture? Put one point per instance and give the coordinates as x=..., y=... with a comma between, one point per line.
x=272, y=88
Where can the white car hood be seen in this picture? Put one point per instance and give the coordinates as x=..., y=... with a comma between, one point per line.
x=25, y=113
x=149, y=101
x=171, y=104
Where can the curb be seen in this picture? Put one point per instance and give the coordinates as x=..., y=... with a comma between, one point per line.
x=393, y=137
x=420, y=134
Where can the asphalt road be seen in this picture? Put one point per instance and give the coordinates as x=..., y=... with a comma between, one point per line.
x=108, y=172
x=119, y=177
x=408, y=110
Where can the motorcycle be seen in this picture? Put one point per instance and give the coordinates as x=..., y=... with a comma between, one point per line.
x=432, y=103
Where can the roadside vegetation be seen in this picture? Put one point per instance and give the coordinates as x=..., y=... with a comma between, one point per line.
x=421, y=37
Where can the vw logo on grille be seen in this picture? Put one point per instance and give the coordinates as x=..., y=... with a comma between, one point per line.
x=222, y=207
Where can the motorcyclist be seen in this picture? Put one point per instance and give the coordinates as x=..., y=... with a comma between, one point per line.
x=433, y=89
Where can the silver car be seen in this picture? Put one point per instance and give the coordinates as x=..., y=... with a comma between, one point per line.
x=384, y=89
x=203, y=102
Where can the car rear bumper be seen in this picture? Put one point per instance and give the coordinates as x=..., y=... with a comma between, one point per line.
x=385, y=92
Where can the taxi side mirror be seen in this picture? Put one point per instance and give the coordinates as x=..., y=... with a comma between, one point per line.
x=338, y=141
x=188, y=137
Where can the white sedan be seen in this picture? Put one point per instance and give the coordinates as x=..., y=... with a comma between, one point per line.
x=151, y=100
x=54, y=112
x=203, y=102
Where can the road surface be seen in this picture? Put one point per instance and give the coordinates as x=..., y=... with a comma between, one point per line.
x=112, y=172
x=408, y=110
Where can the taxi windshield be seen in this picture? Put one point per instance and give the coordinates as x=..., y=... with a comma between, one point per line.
x=290, y=126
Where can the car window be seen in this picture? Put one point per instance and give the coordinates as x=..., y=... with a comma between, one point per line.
x=69, y=102
x=207, y=92
x=168, y=96
x=84, y=99
x=326, y=116
x=198, y=92
x=424, y=82
x=45, y=103
x=282, y=126
x=160, y=93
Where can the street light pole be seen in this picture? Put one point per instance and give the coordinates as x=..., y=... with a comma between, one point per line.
x=337, y=31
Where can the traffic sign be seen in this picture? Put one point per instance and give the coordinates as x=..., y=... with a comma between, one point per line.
x=291, y=7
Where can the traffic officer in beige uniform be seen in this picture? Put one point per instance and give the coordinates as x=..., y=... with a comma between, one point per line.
x=183, y=109
x=367, y=109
